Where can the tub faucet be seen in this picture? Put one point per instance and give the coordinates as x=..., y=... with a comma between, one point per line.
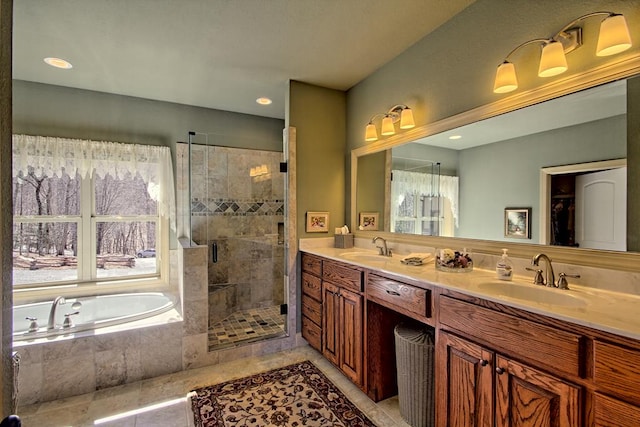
x=550, y=277
x=383, y=249
x=52, y=314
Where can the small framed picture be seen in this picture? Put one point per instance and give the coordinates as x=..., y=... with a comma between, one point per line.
x=368, y=221
x=317, y=222
x=517, y=223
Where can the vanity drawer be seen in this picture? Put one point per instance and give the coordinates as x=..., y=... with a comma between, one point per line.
x=548, y=346
x=312, y=286
x=342, y=275
x=312, y=333
x=311, y=264
x=396, y=294
x=617, y=370
x=312, y=309
x=611, y=412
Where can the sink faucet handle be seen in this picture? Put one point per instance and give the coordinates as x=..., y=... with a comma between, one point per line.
x=537, y=279
x=562, y=280
x=33, y=326
x=67, y=319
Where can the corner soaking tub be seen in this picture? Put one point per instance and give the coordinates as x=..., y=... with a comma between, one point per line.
x=95, y=312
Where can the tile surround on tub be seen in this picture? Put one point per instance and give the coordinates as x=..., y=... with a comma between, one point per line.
x=125, y=356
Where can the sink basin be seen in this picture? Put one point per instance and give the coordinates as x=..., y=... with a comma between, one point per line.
x=533, y=293
x=365, y=257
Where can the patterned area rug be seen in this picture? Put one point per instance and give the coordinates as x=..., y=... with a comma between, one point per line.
x=295, y=395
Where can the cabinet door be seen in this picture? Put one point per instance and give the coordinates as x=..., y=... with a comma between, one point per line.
x=465, y=380
x=331, y=322
x=531, y=398
x=351, y=335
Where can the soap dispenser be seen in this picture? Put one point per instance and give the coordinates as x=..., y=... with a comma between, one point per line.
x=504, y=268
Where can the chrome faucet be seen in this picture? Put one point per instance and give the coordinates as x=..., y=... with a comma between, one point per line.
x=383, y=249
x=52, y=314
x=550, y=277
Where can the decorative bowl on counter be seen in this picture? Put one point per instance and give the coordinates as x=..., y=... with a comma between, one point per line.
x=453, y=261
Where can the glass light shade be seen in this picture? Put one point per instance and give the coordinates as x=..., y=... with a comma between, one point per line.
x=406, y=119
x=614, y=36
x=506, y=80
x=387, y=126
x=552, y=60
x=370, y=133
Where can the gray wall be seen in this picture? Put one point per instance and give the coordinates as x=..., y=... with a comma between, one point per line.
x=318, y=114
x=452, y=69
x=40, y=109
x=507, y=173
x=371, y=194
x=633, y=160
x=447, y=158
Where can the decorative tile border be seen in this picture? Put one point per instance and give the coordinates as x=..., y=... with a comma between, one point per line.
x=227, y=207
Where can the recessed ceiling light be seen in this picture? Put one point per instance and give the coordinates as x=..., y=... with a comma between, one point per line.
x=455, y=137
x=263, y=101
x=58, y=63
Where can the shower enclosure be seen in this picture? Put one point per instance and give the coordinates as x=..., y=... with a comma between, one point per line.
x=236, y=200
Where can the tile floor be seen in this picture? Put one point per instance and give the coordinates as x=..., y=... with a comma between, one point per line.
x=246, y=326
x=161, y=401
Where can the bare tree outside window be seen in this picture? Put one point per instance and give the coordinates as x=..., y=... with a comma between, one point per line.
x=48, y=220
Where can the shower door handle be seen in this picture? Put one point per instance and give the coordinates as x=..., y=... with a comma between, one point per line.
x=214, y=252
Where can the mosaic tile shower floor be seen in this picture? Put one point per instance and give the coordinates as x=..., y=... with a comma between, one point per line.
x=246, y=326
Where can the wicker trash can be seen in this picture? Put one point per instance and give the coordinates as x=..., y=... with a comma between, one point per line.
x=415, y=360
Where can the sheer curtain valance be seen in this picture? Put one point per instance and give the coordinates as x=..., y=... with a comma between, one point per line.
x=426, y=184
x=45, y=155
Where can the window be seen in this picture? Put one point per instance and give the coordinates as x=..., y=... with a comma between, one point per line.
x=423, y=203
x=89, y=213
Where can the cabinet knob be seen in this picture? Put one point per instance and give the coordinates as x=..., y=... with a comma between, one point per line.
x=483, y=362
x=499, y=371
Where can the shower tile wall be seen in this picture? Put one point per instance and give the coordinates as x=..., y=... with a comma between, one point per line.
x=237, y=202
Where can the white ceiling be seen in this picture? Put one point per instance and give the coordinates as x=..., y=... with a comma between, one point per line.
x=220, y=54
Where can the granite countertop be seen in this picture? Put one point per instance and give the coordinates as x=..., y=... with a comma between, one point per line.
x=599, y=309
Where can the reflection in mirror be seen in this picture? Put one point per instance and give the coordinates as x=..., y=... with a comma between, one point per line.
x=424, y=192
x=499, y=163
x=373, y=174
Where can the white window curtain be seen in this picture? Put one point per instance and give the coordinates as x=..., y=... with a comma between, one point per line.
x=51, y=155
x=424, y=184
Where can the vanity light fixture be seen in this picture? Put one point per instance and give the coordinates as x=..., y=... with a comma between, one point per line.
x=398, y=113
x=613, y=38
x=58, y=63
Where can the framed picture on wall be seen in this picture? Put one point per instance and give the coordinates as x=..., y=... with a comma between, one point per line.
x=517, y=223
x=368, y=221
x=317, y=222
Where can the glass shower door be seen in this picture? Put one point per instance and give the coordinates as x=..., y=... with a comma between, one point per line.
x=237, y=209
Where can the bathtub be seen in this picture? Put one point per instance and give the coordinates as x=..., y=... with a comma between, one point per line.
x=95, y=312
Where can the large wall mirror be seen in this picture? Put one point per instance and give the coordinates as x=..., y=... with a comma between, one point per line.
x=560, y=172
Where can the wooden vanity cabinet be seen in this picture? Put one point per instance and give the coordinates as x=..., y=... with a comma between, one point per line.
x=495, y=365
x=312, y=300
x=342, y=327
x=616, y=373
x=483, y=386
